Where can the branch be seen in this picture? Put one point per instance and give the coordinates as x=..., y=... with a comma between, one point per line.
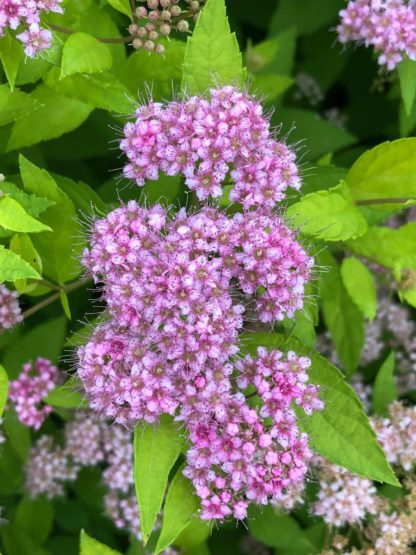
x=393, y=200
x=59, y=29
x=52, y=298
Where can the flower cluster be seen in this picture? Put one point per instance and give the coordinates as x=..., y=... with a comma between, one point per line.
x=29, y=390
x=10, y=313
x=16, y=14
x=343, y=497
x=158, y=18
x=389, y=26
x=207, y=140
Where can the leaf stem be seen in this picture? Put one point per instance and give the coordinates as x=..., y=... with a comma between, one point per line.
x=52, y=298
x=121, y=40
x=393, y=200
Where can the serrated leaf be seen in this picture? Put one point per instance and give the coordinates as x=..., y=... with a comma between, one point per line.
x=102, y=90
x=212, y=53
x=15, y=104
x=360, y=284
x=11, y=56
x=180, y=506
x=329, y=215
x=22, y=245
x=90, y=546
x=33, y=204
x=122, y=6
x=156, y=448
x=14, y=217
x=341, y=432
x=407, y=77
x=343, y=319
x=57, y=115
x=4, y=388
x=387, y=170
x=385, y=389
x=13, y=267
x=83, y=53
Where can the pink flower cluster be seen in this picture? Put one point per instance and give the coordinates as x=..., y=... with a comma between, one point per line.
x=29, y=390
x=10, y=313
x=208, y=140
x=389, y=26
x=26, y=14
x=172, y=286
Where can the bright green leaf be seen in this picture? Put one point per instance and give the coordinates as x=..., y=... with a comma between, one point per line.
x=11, y=56
x=329, y=215
x=90, y=546
x=22, y=245
x=194, y=534
x=57, y=116
x=212, y=54
x=407, y=77
x=13, y=267
x=180, y=506
x=156, y=448
x=122, y=6
x=14, y=217
x=33, y=204
x=341, y=432
x=385, y=389
x=387, y=170
x=15, y=104
x=66, y=396
x=65, y=303
x=83, y=53
x=360, y=284
x=4, y=388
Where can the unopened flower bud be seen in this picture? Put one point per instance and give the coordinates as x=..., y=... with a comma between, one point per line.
x=137, y=43
x=175, y=11
x=133, y=29
x=160, y=49
x=141, y=12
x=165, y=15
x=165, y=29
x=165, y=3
x=154, y=15
x=153, y=35
x=194, y=6
x=149, y=45
x=142, y=32
x=182, y=26
x=150, y=27
x=153, y=4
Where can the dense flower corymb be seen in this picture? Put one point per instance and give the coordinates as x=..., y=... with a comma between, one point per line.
x=389, y=26
x=17, y=14
x=208, y=140
x=10, y=313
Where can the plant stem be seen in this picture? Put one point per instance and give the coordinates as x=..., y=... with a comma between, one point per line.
x=59, y=29
x=52, y=298
x=393, y=200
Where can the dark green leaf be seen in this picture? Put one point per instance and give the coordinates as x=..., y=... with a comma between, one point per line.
x=385, y=389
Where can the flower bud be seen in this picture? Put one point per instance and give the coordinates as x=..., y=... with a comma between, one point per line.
x=141, y=12
x=165, y=3
x=150, y=27
x=165, y=15
x=182, y=26
x=154, y=15
x=133, y=29
x=153, y=4
x=165, y=29
x=194, y=6
x=153, y=35
x=149, y=45
x=137, y=43
x=160, y=49
x=142, y=32
x=175, y=11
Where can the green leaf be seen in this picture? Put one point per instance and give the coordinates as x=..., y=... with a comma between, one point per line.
x=57, y=115
x=4, y=388
x=65, y=303
x=319, y=135
x=270, y=87
x=22, y=245
x=180, y=506
x=85, y=199
x=386, y=246
x=35, y=518
x=33, y=204
x=102, y=90
x=11, y=56
x=385, y=389
x=274, y=56
x=407, y=77
x=360, y=284
x=387, y=170
x=12, y=267
x=329, y=215
x=44, y=340
x=307, y=15
x=14, y=217
x=156, y=448
x=162, y=73
x=17, y=434
x=83, y=53
x=278, y=530
x=17, y=542
x=89, y=546
x=212, y=54
x=342, y=317
x=15, y=104
x=341, y=432
x=59, y=250
x=66, y=396
x=194, y=534
x=122, y=6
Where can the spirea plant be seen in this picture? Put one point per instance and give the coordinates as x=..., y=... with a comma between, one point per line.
x=207, y=277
